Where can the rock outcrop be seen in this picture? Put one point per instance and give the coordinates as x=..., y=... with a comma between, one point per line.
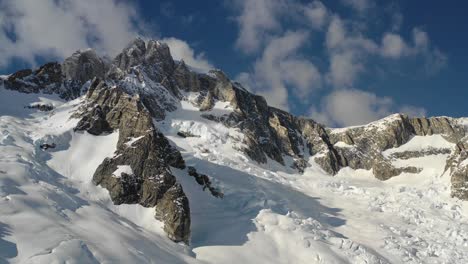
x=66, y=80
x=457, y=166
x=144, y=151
x=84, y=65
x=368, y=142
x=205, y=181
x=47, y=79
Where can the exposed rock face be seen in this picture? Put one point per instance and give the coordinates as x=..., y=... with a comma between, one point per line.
x=145, y=150
x=65, y=79
x=173, y=209
x=41, y=107
x=457, y=166
x=47, y=79
x=417, y=154
x=84, y=65
x=369, y=141
x=204, y=181
x=274, y=134
x=146, y=69
x=438, y=125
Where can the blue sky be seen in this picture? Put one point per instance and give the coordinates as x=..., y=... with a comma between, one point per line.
x=342, y=62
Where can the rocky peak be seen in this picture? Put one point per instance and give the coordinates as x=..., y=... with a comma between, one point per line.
x=158, y=52
x=84, y=65
x=132, y=55
x=47, y=79
x=141, y=53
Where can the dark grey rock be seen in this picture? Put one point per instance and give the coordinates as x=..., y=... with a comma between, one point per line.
x=47, y=146
x=185, y=134
x=84, y=65
x=41, y=107
x=150, y=157
x=173, y=209
x=457, y=166
x=205, y=181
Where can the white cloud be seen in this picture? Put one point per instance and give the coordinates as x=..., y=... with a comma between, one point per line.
x=344, y=69
x=421, y=39
x=353, y=107
x=349, y=50
x=336, y=33
x=31, y=28
x=280, y=67
x=256, y=20
x=393, y=46
x=181, y=50
x=413, y=111
x=347, y=53
x=261, y=20
x=317, y=14
x=350, y=107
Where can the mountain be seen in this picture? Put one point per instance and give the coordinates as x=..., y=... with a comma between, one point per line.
x=143, y=159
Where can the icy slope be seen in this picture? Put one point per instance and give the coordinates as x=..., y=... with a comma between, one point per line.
x=50, y=212
x=315, y=218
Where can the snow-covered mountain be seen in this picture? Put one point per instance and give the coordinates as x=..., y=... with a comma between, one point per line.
x=143, y=159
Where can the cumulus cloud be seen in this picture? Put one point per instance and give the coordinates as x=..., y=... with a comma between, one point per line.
x=413, y=111
x=349, y=50
x=280, y=68
x=344, y=68
x=350, y=107
x=257, y=18
x=317, y=14
x=261, y=20
x=393, y=46
x=180, y=50
x=57, y=28
x=347, y=53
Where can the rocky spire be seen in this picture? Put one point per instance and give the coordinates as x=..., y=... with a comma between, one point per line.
x=84, y=65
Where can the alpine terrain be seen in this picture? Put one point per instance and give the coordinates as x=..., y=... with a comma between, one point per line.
x=144, y=159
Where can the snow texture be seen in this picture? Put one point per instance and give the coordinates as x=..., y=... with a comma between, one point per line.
x=51, y=212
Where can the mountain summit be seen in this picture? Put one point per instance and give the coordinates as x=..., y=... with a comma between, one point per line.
x=91, y=144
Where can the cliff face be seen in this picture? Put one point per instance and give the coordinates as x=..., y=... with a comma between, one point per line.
x=143, y=150
x=143, y=84
x=367, y=143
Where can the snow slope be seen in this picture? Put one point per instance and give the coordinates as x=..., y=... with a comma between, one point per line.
x=50, y=212
x=271, y=215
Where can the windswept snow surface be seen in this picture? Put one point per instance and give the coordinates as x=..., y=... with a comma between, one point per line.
x=270, y=214
x=51, y=212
